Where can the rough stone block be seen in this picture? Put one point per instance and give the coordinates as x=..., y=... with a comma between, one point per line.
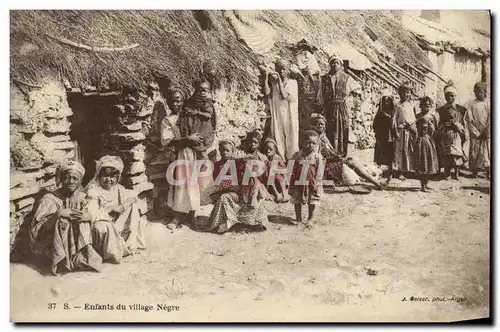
x=135, y=168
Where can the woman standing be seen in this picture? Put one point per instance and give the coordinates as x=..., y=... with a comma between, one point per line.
x=282, y=92
x=60, y=230
x=334, y=88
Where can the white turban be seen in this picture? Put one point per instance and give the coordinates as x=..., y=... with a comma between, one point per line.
x=109, y=161
x=69, y=165
x=450, y=89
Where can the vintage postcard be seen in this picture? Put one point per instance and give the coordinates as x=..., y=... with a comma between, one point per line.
x=250, y=166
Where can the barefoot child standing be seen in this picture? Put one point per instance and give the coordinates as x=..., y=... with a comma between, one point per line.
x=425, y=156
x=274, y=162
x=478, y=122
x=385, y=134
x=404, y=118
x=451, y=133
x=306, y=189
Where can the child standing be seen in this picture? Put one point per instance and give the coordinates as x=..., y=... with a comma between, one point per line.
x=426, y=160
x=404, y=119
x=385, y=134
x=479, y=123
x=274, y=161
x=451, y=134
x=309, y=190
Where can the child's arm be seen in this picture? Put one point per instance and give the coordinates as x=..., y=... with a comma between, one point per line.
x=205, y=114
x=267, y=88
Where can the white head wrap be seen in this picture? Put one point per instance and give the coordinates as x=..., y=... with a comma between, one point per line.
x=69, y=165
x=450, y=89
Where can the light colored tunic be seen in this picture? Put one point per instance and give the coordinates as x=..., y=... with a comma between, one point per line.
x=403, y=145
x=183, y=197
x=115, y=237
x=285, y=118
x=67, y=245
x=478, y=122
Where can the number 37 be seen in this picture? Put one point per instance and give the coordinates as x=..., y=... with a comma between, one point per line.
x=51, y=305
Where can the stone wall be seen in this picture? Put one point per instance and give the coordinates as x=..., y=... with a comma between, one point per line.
x=39, y=139
x=463, y=69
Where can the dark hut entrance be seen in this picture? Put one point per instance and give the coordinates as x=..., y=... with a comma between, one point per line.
x=91, y=121
x=121, y=123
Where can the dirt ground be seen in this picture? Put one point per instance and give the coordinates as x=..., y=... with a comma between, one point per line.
x=366, y=254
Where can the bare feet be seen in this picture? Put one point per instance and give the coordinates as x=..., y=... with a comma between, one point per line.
x=424, y=190
x=308, y=224
x=281, y=200
x=402, y=178
x=174, y=223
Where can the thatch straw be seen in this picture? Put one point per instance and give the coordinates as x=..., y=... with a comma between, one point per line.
x=323, y=27
x=171, y=44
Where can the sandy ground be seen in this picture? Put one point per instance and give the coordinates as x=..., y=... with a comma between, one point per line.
x=363, y=257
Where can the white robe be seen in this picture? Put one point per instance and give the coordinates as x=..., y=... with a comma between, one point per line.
x=285, y=118
x=184, y=197
x=478, y=121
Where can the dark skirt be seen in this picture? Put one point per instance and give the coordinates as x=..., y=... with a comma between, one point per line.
x=337, y=127
x=384, y=153
x=426, y=159
x=333, y=171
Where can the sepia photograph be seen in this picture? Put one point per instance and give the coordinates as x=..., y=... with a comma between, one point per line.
x=250, y=165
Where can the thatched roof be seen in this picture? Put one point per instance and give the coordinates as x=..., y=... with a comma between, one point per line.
x=175, y=43
x=171, y=43
x=353, y=27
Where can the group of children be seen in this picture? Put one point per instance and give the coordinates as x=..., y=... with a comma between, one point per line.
x=406, y=141
x=427, y=141
x=314, y=163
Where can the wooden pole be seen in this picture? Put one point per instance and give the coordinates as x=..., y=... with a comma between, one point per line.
x=356, y=77
x=402, y=72
x=91, y=48
x=387, y=77
x=438, y=76
x=414, y=68
x=387, y=71
x=371, y=77
x=382, y=78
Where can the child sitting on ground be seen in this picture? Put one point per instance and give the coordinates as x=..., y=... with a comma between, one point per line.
x=308, y=190
x=342, y=171
x=274, y=162
x=253, y=190
x=226, y=150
